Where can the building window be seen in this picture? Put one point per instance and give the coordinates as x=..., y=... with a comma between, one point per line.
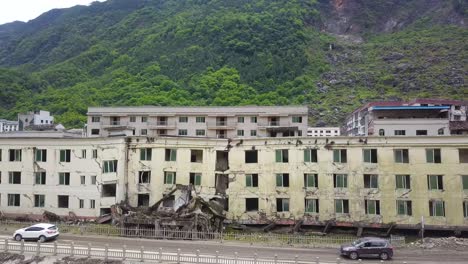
x=440, y=132
x=171, y=155
x=371, y=181
x=93, y=180
x=310, y=180
x=421, y=132
x=40, y=178
x=183, y=132
x=143, y=199
x=196, y=155
x=401, y=155
x=195, y=179
x=282, y=155
x=400, y=132
x=341, y=206
x=465, y=209
x=403, y=182
x=65, y=155
x=144, y=177
x=370, y=155
x=146, y=153
x=282, y=180
x=282, y=204
x=39, y=200
x=0, y=155
x=144, y=119
x=132, y=119
x=94, y=131
x=253, y=119
x=433, y=156
x=465, y=182
x=340, y=156
x=251, y=156
x=253, y=133
x=297, y=119
x=92, y=204
x=240, y=133
x=436, y=208
x=15, y=154
x=41, y=155
x=64, y=178
x=95, y=119
x=240, y=119
x=251, y=204
x=404, y=207
x=251, y=180
x=13, y=199
x=463, y=155
x=109, y=166
x=340, y=180
x=200, y=132
x=200, y=119
x=81, y=202
x=109, y=190
x=183, y=119
x=62, y=201
x=94, y=153
x=14, y=177
x=381, y=132
x=312, y=206
x=435, y=182
x=169, y=177
x=144, y=132
x=83, y=180
x=372, y=207
x=310, y=155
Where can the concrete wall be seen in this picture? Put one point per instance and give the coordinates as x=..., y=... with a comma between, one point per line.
x=410, y=126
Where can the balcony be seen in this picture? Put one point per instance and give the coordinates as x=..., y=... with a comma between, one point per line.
x=162, y=125
x=222, y=125
x=277, y=124
x=114, y=124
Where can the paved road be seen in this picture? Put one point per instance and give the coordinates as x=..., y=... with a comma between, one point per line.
x=411, y=256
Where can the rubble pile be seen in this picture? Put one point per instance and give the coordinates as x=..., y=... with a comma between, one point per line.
x=453, y=243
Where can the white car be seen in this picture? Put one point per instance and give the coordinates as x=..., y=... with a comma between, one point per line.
x=41, y=232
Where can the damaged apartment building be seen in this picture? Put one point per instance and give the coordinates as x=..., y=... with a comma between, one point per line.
x=366, y=182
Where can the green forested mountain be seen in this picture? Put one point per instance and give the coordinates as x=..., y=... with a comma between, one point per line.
x=332, y=55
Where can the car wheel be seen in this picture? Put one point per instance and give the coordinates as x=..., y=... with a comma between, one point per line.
x=353, y=255
x=42, y=239
x=384, y=256
x=18, y=237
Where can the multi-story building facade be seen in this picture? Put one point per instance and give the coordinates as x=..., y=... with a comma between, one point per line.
x=375, y=182
x=36, y=120
x=421, y=117
x=323, y=132
x=8, y=126
x=212, y=122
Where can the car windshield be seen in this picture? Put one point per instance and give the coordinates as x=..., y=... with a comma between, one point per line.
x=356, y=242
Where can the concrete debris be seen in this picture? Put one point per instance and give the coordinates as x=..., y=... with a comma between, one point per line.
x=451, y=243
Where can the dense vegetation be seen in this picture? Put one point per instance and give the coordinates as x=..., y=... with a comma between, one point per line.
x=218, y=52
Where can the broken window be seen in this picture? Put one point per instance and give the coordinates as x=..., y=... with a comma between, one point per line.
x=282, y=155
x=421, y=132
x=105, y=211
x=433, y=156
x=465, y=209
x=14, y=177
x=404, y=207
x=109, y=166
x=436, y=208
x=372, y=207
x=370, y=155
x=62, y=201
x=169, y=177
x=399, y=132
x=65, y=155
x=171, y=155
x=463, y=155
x=310, y=155
x=435, y=182
x=251, y=180
x=169, y=202
x=39, y=200
x=15, y=154
x=221, y=183
x=341, y=206
x=464, y=179
x=310, y=180
x=340, y=156
x=340, y=180
x=282, y=204
x=143, y=199
x=251, y=204
x=144, y=177
x=13, y=199
x=251, y=156
x=371, y=181
x=109, y=190
x=311, y=205
x=40, y=177
x=401, y=155
x=282, y=180
x=195, y=178
x=222, y=158
x=146, y=153
x=41, y=155
x=196, y=155
x=403, y=182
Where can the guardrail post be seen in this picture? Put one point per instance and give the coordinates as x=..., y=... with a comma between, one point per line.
x=178, y=256
x=72, y=249
x=6, y=245
x=236, y=256
x=38, y=249
x=106, y=252
x=89, y=250
x=198, y=256
x=217, y=257
x=55, y=249
x=317, y=260
x=160, y=255
x=124, y=252
x=22, y=247
x=142, y=251
x=296, y=259
x=276, y=258
x=255, y=258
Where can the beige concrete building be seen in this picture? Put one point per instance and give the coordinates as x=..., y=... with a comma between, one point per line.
x=213, y=122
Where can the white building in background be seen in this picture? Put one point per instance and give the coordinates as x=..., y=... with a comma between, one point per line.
x=8, y=126
x=323, y=131
x=37, y=120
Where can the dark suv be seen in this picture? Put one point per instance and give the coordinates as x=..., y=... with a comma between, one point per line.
x=368, y=247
